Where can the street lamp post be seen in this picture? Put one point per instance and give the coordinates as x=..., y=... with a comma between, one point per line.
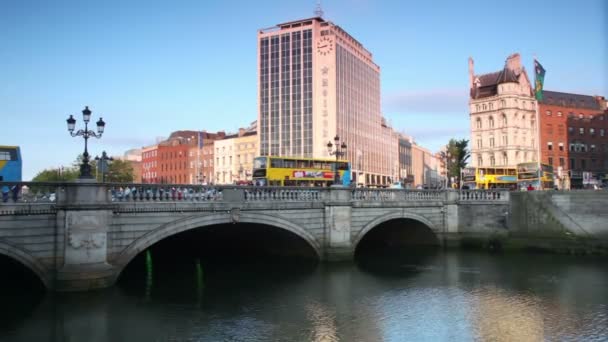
x=103, y=164
x=339, y=151
x=85, y=167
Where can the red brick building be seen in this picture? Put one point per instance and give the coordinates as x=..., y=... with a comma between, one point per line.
x=574, y=138
x=174, y=160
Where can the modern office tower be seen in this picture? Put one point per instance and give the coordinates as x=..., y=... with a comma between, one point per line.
x=316, y=82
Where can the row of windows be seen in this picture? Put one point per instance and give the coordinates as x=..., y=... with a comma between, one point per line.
x=580, y=116
x=502, y=104
x=503, y=120
x=504, y=142
x=582, y=163
x=581, y=131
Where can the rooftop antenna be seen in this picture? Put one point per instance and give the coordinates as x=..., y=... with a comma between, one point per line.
x=318, y=10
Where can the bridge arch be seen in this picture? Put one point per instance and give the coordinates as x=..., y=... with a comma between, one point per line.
x=27, y=260
x=199, y=221
x=388, y=217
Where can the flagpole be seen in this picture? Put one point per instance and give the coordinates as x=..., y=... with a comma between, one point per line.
x=540, y=170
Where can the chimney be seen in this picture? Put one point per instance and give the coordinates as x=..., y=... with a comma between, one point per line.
x=514, y=63
x=471, y=72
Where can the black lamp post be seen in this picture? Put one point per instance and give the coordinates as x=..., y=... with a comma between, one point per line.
x=340, y=151
x=103, y=164
x=85, y=168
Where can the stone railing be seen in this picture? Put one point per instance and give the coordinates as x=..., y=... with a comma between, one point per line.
x=261, y=194
x=132, y=192
x=483, y=195
x=382, y=195
x=29, y=192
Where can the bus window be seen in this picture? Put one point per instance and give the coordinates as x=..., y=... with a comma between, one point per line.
x=276, y=162
x=259, y=163
x=288, y=163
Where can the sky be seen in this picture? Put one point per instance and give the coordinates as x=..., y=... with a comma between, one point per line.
x=153, y=67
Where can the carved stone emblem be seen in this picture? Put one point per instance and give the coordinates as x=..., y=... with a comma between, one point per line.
x=235, y=215
x=87, y=241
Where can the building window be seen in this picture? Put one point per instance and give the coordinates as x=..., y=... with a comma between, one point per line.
x=561, y=146
x=478, y=123
x=572, y=164
x=492, y=161
x=492, y=142
x=561, y=162
x=504, y=119
x=479, y=145
x=477, y=108
x=479, y=161
x=551, y=161
x=601, y=132
x=581, y=130
x=504, y=140
x=548, y=113
x=592, y=131
x=491, y=122
x=570, y=130
x=592, y=148
x=559, y=114
x=491, y=106
x=583, y=164
x=505, y=159
x=550, y=146
x=503, y=103
x=484, y=107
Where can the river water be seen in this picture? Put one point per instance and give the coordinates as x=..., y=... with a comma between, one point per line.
x=434, y=296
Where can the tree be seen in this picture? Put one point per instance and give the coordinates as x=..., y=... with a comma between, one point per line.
x=456, y=156
x=119, y=171
x=60, y=174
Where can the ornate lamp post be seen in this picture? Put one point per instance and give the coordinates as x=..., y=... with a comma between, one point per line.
x=85, y=168
x=340, y=151
x=103, y=165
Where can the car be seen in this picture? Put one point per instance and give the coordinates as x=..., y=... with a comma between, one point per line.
x=396, y=185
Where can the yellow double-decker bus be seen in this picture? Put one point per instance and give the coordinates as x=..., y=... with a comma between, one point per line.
x=489, y=178
x=294, y=171
x=535, y=176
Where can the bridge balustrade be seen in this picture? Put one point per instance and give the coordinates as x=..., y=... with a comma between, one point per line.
x=483, y=195
x=120, y=192
x=364, y=194
x=29, y=192
x=261, y=194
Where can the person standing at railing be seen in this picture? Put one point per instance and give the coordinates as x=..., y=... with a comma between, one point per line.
x=5, y=192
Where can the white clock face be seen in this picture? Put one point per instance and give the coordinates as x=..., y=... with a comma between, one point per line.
x=325, y=45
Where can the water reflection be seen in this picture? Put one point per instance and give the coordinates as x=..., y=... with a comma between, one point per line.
x=435, y=297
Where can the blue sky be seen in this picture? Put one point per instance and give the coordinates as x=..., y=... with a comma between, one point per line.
x=152, y=67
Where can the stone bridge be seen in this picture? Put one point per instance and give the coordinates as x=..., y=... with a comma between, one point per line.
x=79, y=236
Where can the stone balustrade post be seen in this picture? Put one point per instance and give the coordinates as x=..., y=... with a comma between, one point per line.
x=84, y=213
x=338, y=214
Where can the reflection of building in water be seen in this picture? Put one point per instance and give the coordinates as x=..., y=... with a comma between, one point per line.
x=501, y=316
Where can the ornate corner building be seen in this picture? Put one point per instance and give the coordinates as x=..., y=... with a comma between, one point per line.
x=502, y=116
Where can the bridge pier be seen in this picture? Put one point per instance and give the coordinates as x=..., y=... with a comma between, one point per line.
x=84, y=214
x=338, y=223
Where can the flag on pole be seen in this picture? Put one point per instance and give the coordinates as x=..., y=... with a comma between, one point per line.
x=539, y=77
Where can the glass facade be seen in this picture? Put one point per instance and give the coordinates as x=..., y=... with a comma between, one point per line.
x=286, y=94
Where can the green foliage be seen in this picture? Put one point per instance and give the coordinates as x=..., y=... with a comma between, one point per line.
x=456, y=154
x=119, y=171
x=61, y=174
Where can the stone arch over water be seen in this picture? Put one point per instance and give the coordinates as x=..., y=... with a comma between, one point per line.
x=391, y=216
x=27, y=261
x=200, y=221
